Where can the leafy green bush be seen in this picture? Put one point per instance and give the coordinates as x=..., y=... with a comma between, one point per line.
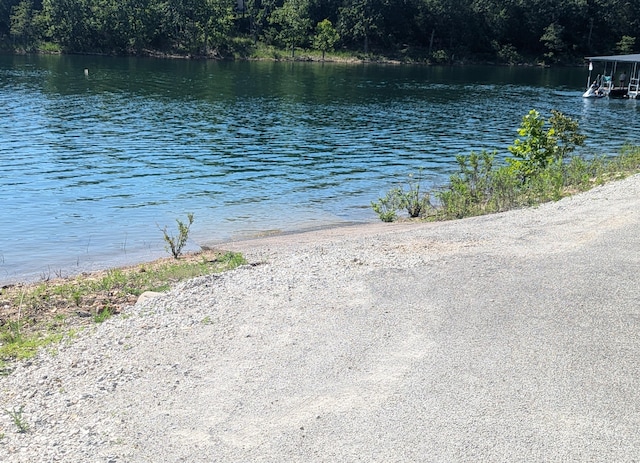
x=387, y=207
x=506, y=53
x=414, y=200
x=629, y=159
x=440, y=57
x=538, y=146
x=470, y=187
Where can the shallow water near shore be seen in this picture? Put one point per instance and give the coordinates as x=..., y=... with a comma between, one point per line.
x=95, y=164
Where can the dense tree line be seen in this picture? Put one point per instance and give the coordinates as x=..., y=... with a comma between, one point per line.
x=441, y=30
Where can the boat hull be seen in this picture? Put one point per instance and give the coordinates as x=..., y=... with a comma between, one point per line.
x=593, y=93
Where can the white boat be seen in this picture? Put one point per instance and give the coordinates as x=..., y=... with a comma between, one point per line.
x=623, y=70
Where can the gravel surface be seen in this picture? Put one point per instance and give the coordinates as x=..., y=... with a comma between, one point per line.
x=511, y=337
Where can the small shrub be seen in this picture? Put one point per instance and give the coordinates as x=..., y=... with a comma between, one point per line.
x=506, y=53
x=440, y=57
x=176, y=243
x=471, y=190
x=49, y=47
x=538, y=146
x=629, y=159
x=455, y=200
x=547, y=185
x=387, y=207
x=413, y=200
x=505, y=190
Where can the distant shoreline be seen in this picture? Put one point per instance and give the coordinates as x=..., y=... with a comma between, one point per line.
x=304, y=57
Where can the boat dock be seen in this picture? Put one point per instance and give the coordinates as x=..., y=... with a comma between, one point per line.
x=619, y=76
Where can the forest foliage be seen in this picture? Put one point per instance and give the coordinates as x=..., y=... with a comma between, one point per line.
x=438, y=31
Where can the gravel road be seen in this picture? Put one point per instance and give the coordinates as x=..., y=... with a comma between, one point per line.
x=506, y=338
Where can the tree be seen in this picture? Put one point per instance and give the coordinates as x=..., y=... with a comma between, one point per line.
x=6, y=7
x=259, y=12
x=69, y=24
x=626, y=45
x=22, y=23
x=213, y=21
x=326, y=37
x=221, y=22
x=293, y=21
x=552, y=40
x=361, y=19
x=508, y=29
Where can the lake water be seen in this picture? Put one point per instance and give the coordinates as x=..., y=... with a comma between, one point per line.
x=94, y=165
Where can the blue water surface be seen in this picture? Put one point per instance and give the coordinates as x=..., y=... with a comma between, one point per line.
x=95, y=164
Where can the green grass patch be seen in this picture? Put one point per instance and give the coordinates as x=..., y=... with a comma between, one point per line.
x=37, y=315
x=18, y=342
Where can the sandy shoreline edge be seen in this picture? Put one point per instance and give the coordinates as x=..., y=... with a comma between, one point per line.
x=263, y=245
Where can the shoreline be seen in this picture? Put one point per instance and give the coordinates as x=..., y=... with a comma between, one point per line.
x=141, y=257
x=270, y=239
x=307, y=56
x=365, y=344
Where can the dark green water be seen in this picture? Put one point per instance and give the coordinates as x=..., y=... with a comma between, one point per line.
x=93, y=164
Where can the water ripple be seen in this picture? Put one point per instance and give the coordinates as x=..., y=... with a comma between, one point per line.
x=93, y=165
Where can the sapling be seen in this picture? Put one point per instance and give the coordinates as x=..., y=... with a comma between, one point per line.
x=176, y=243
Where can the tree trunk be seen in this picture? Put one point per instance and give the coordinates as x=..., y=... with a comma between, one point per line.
x=433, y=34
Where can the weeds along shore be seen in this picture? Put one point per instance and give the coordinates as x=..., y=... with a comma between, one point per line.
x=541, y=168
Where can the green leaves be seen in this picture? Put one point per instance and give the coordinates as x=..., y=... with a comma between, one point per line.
x=539, y=146
x=387, y=207
x=626, y=45
x=326, y=37
x=471, y=189
x=361, y=19
x=292, y=19
x=414, y=200
x=512, y=31
x=537, y=172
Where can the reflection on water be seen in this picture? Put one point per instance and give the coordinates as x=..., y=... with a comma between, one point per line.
x=93, y=165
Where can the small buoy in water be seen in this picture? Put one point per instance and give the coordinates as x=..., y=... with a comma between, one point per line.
x=86, y=72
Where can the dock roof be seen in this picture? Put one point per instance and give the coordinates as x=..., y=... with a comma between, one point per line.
x=635, y=58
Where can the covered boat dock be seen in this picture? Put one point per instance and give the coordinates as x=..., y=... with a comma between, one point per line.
x=619, y=78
